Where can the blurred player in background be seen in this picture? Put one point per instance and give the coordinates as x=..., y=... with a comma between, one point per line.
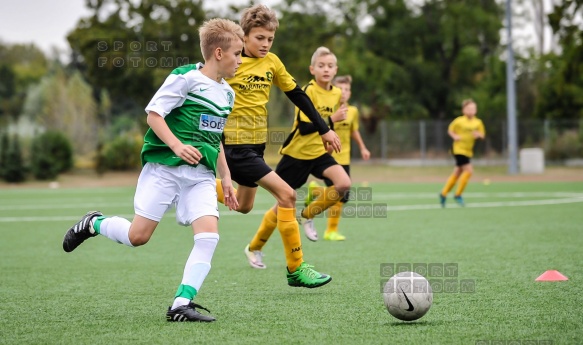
x=181, y=153
x=464, y=131
x=245, y=137
x=347, y=128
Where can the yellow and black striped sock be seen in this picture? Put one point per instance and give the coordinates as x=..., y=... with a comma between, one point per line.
x=268, y=224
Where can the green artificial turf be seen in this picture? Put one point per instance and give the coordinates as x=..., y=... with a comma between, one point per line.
x=106, y=293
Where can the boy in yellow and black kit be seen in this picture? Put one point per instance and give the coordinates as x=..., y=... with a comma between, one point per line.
x=464, y=131
x=245, y=137
x=347, y=129
x=303, y=152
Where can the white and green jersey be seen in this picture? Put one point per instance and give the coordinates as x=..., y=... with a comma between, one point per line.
x=195, y=108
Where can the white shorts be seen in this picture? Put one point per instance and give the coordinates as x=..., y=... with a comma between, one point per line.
x=191, y=190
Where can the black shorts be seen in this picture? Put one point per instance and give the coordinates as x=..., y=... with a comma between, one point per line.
x=461, y=160
x=246, y=163
x=296, y=171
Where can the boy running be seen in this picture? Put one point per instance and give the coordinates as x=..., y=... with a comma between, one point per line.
x=181, y=153
x=464, y=131
x=246, y=134
x=347, y=129
x=302, y=153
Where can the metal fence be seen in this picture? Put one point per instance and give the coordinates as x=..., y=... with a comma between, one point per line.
x=428, y=140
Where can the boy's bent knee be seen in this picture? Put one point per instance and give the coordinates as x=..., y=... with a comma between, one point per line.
x=139, y=240
x=244, y=209
x=343, y=187
x=287, y=199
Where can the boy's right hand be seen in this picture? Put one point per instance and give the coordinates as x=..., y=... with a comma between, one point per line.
x=187, y=153
x=331, y=140
x=340, y=114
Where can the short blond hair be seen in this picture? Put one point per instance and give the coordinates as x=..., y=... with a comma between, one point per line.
x=218, y=33
x=467, y=101
x=342, y=79
x=321, y=51
x=258, y=16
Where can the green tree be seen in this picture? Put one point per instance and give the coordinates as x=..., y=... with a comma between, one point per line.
x=21, y=65
x=433, y=50
x=52, y=154
x=561, y=94
x=14, y=169
x=65, y=103
x=4, y=145
x=128, y=47
x=7, y=89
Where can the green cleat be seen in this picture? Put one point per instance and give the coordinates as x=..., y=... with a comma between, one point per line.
x=306, y=276
x=310, y=197
x=334, y=236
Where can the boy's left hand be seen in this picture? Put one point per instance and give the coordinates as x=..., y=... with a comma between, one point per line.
x=365, y=153
x=230, y=196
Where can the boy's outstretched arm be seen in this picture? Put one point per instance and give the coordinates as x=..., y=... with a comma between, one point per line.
x=304, y=103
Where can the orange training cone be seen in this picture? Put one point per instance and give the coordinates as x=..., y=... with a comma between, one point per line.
x=551, y=276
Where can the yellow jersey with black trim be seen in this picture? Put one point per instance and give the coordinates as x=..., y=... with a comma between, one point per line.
x=247, y=123
x=344, y=130
x=310, y=146
x=465, y=127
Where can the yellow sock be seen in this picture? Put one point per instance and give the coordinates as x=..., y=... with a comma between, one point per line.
x=290, y=235
x=328, y=198
x=464, y=178
x=317, y=191
x=220, y=195
x=334, y=213
x=268, y=224
x=449, y=184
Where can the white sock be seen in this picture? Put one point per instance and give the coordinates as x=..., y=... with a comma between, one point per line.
x=117, y=229
x=198, y=264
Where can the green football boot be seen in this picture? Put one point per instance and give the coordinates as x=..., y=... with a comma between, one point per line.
x=306, y=276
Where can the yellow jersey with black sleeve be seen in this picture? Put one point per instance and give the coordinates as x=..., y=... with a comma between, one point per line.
x=309, y=146
x=344, y=130
x=465, y=127
x=247, y=123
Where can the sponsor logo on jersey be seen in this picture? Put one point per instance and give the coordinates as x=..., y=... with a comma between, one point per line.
x=256, y=82
x=211, y=123
x=230, y=98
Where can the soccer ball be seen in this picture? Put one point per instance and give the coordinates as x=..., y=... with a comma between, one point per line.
x=407, y=296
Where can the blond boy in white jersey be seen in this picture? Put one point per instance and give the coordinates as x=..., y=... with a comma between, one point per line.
x=181, y=153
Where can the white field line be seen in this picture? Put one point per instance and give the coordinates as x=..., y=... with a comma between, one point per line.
x=575, y=198
x=62, y=206
x=388, y=196
x=489, y=204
